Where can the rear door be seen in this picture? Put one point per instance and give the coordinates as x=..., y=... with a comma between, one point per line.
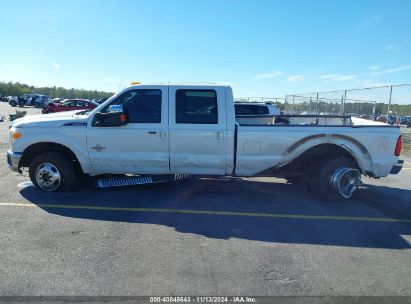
x=197, y=130
x=141, y=146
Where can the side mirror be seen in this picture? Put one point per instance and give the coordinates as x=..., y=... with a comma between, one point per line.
x=115, y=108
x=113, y=119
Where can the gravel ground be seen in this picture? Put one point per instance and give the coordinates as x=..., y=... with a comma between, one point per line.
x=406, y=136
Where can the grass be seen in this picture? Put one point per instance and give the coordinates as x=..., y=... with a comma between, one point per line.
x=406, y=147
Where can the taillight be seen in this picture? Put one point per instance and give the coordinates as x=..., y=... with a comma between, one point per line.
x=398, y=147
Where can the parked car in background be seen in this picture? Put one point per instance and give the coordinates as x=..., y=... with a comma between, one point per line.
x=69, y=105
x=406, y=120
x=254, y=112
x=392, y=120
x=36, y=100
x=39, y=101
x=382, y=118
x=366, y=116
x=13, y=100
x=57, y=100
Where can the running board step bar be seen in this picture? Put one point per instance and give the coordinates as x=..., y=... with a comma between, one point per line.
x=122, y=181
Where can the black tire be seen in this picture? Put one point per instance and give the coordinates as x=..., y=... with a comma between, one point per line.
x=64, y=166
x=13, y=103
x=49, y=111
x=21, y=105
x=36, y=105
x=321, y=180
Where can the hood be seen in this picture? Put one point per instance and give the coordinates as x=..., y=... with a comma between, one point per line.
x=49, y=120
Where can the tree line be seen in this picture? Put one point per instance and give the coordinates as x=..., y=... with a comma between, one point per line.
x=17, y=89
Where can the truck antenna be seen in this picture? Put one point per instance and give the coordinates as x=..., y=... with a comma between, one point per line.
x=121, y=81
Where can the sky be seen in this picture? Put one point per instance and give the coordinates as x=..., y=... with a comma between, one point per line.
x=260, y=47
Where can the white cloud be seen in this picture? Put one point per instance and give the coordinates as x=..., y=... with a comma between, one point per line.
x=56, y=66
x=345, y=77
x=338, y=77
x=392, y=70
x=374, y=67
x=329, y=76
x=269, y=75
x=295, y=78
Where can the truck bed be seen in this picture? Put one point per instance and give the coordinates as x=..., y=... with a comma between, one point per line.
x=272, y=145
x=306, y=120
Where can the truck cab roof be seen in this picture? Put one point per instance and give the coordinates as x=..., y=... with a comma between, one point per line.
x=193, y=84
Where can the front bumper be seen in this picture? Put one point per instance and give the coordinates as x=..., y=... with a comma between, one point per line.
x=397, y=167
x=13, y=160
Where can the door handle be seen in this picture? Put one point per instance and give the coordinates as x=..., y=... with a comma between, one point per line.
x=152, y=132
x=220, y=135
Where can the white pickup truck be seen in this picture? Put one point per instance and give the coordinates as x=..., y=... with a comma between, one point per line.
x=171, y=129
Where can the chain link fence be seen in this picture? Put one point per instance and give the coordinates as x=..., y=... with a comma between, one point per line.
x=371, y=103
x=384, y=103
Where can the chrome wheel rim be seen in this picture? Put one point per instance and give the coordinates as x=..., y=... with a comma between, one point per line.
x=48, y=177
x=345, y=181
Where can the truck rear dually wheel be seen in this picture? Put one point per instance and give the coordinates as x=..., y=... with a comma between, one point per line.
x=336, y=179
x=51, y=171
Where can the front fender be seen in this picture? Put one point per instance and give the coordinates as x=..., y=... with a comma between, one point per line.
x=72, y=138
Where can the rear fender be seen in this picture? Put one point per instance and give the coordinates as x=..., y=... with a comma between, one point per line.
x=358, y=151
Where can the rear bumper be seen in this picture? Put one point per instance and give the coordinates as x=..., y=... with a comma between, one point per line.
x=13, y=160
x=397, y=167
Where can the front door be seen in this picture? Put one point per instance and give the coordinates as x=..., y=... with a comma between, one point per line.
x=141, y=146
x=197, y=130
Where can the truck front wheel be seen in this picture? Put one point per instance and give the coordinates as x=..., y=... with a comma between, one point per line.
x=336, y=179
x=51, y=171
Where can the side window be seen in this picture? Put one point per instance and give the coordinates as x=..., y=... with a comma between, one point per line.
x=79, y=104
x=251, y=110
x=141, y=106
x=262, y=110
x=196, y=107
x=242, y=110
